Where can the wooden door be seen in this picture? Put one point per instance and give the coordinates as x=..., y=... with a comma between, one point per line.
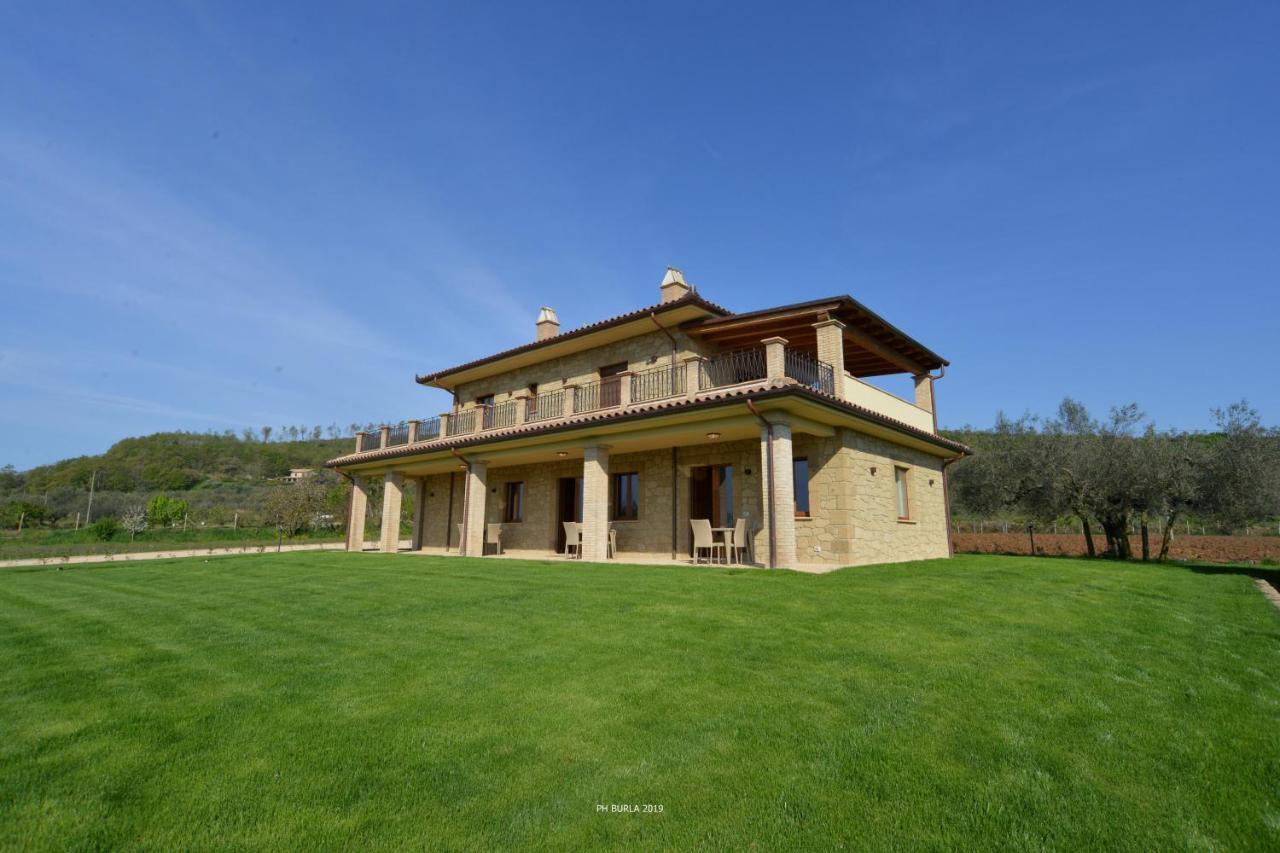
x=568, y=507
x=611, y=384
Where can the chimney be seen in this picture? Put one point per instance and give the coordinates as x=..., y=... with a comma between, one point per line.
x=548, y=323
x=673, y=286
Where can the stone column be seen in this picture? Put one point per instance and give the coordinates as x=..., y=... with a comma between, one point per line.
x=570, y=395
x=692, y=374
x=473, y=515
x=362, y=441
x=392, y=496
x=445, y=418
x=775, y=358
x=413, y=431
x=359, y=508
x=595, y=503
x=522, y=408
x=924, y=391
x=783, y=507
x=383, y=433
x=831, y=351
x=419, y=510
x=624, y=389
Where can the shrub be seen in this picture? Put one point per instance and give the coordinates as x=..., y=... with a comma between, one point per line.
x=105, y=528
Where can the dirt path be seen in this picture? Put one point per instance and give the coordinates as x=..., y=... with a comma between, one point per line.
x=164, y=555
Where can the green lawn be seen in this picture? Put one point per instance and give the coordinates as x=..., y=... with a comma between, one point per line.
x=324, y=700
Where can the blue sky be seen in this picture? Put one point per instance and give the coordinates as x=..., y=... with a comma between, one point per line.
x=220, y=215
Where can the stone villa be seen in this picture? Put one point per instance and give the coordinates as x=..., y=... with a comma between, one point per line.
x=630, y=428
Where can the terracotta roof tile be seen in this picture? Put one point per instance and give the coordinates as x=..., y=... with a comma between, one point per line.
x=690, y=298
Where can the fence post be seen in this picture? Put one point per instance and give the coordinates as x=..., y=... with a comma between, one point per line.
x=413, y=431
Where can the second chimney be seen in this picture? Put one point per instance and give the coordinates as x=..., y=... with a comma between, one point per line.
x=673, y=285
x=548, y=323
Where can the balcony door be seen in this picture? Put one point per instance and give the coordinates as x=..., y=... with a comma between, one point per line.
x=711, y=494
x=611, y=384
x=568, y=507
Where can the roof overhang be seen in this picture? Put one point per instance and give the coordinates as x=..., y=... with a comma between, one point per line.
x=872, y=345
x=670, y=424
x=689, y=308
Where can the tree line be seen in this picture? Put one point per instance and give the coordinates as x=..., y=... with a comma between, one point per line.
x=1119, y=469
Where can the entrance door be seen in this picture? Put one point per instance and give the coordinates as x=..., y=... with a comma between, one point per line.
x=611, y=385
x=568, y=507
x=711, y=495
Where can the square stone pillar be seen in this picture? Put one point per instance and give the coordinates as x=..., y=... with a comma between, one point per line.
x=362, y=441
x=359, y=508
x=445, y=419
x=413, y=431
x=783, y=506
x=392, y=497
x=522, y=408
x=419, y=511
x=924, y=391
x=384, y=432
x=473, y=515
x=624, y=389
x=831, y=351
x=570, y=399
x=775, y=358
x=595, y=503
x=692, y=375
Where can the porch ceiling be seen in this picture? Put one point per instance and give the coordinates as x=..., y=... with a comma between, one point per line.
x=872, y=346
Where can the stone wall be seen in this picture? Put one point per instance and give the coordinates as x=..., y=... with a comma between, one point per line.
x=853, y=512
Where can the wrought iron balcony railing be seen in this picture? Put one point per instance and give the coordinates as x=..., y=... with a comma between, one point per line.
x=398, y=434
x=605, y=394
x=657, y=383
x=733, y=368
x=808, y=371
x=544, y=407
x=463, y=423
x=500, y=415
x=428, y=429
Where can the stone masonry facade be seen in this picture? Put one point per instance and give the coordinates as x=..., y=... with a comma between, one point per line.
x=853, y=516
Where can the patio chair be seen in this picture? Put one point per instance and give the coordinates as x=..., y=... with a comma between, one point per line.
x=705, y=540
x=493, y=536
x=572, y=538
x=737, y=543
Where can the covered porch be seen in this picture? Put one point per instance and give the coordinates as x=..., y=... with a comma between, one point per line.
x=632, y=490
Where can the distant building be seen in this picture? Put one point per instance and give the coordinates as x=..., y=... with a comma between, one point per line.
x=297, y=474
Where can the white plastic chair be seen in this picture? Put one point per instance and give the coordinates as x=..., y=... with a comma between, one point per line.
x=737, y=540
x=704, y=540
x=572, y=538
x=493, y=536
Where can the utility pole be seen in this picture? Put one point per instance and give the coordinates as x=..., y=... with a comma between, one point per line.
x=93, y=481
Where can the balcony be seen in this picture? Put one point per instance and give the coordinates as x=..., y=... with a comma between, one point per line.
x=733, y=367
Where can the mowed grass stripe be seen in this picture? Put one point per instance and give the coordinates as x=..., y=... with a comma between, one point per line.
x=316, y=699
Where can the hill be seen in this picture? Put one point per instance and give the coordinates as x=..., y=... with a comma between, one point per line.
x=177, y=461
